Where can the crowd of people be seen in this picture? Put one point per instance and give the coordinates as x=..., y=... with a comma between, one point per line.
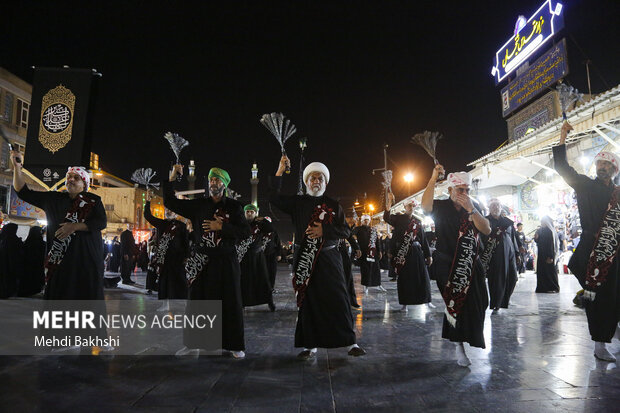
x=231, y=255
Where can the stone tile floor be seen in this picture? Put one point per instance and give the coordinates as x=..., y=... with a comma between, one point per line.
x=538, y=358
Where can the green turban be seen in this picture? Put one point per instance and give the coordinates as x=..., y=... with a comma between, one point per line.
x=250, y=207
x=221, y=174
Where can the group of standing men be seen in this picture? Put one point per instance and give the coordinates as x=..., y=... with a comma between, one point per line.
x=228, y=246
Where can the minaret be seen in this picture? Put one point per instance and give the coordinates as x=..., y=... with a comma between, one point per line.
x=254, y=182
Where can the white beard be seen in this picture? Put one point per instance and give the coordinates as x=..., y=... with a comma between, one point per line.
x=317, y=194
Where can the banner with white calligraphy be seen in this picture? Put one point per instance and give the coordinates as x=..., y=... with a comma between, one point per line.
x=59, y=123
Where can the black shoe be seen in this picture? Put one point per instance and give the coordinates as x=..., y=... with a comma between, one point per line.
x=129, y=282
x=357, y=351
x=272, y=306
x=356, y=305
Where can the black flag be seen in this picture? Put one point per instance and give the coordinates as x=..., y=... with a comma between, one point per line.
x=59, y=128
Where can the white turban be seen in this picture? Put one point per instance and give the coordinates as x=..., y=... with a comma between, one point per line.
x=459, y=178
x=83, y=174
x=365, y=216
x=609, y=157
x=316, y=167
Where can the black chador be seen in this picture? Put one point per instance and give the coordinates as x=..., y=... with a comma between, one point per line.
x=255, y=284
x=409, y=254
x=273, y=250
x=546, y=270
x=598, y=207
x=324, y=318
x=370, y=246
x=499, y=260
x=79, y=275
x=212, y=268
x=170, y=254
x=343, y=247
x=11, y=261
x=33, y=278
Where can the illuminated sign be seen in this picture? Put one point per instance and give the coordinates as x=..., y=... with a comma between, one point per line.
x=529, y=37
x=543, y=73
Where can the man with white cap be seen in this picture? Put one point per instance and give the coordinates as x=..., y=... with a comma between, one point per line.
x=410, y=254
x=74, y=265
x=594, y=265
x=456, y=266
x=499, y=257
x=370, y=246
x=324, y=318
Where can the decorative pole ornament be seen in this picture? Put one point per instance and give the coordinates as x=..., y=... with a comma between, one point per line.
x=144, y=176
x=303, y=144
x=18, y=159
x=280, y=127
x=177, y=143
x=428, y=141
x=568, y=96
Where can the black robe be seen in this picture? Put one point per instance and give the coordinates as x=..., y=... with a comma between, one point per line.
x=255, y=283
x=115, y=260
x=128, y=254
x=592, y=201
x=272, y=252
x=220, y=279
x=324, y=319
x=172, y=284
x=502, y=273
x=413, y=283
x=546, y=273
x=521, y=251
x=80, y=274
x=470, y=323
x=33, y=279
x=11, y=261
x=348, y=265
x=371, y=272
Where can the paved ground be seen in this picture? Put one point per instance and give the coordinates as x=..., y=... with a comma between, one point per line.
x=538, y=358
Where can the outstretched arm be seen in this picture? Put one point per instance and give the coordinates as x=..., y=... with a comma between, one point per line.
x=429, y=192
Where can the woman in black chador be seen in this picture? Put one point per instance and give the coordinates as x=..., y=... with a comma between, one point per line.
x=546, y=270
x=409, y=256
x=368, y=240
x=11, y=260
x=256, y=287
x=33, y=278
x=170, y=254
x=74, y=220
x=324, y=318
x=499, y=257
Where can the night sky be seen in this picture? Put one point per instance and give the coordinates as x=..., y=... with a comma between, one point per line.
x=351, y=75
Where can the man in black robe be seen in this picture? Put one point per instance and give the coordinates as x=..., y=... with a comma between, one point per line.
x=594, y=198
x=521, y=248
x=170, y=254
x=324, y=318
x=273, y=254
x=75, y=220
x=218, y=224
x=410, y=255
x=128, y=255
x=458, y=221
x=368, y=240
x=343, y=247
x=499, y=257
x=256, y=288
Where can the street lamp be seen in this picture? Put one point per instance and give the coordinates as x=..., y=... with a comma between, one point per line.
x=371, y=207
x=408, y=177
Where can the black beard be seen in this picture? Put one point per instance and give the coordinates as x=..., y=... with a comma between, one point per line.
x=603, y=174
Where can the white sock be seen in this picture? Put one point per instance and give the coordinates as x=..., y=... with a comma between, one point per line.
x=352, y=346
x=311, y=350
x=431, y=305
x=462, y=359
x=601, y=352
